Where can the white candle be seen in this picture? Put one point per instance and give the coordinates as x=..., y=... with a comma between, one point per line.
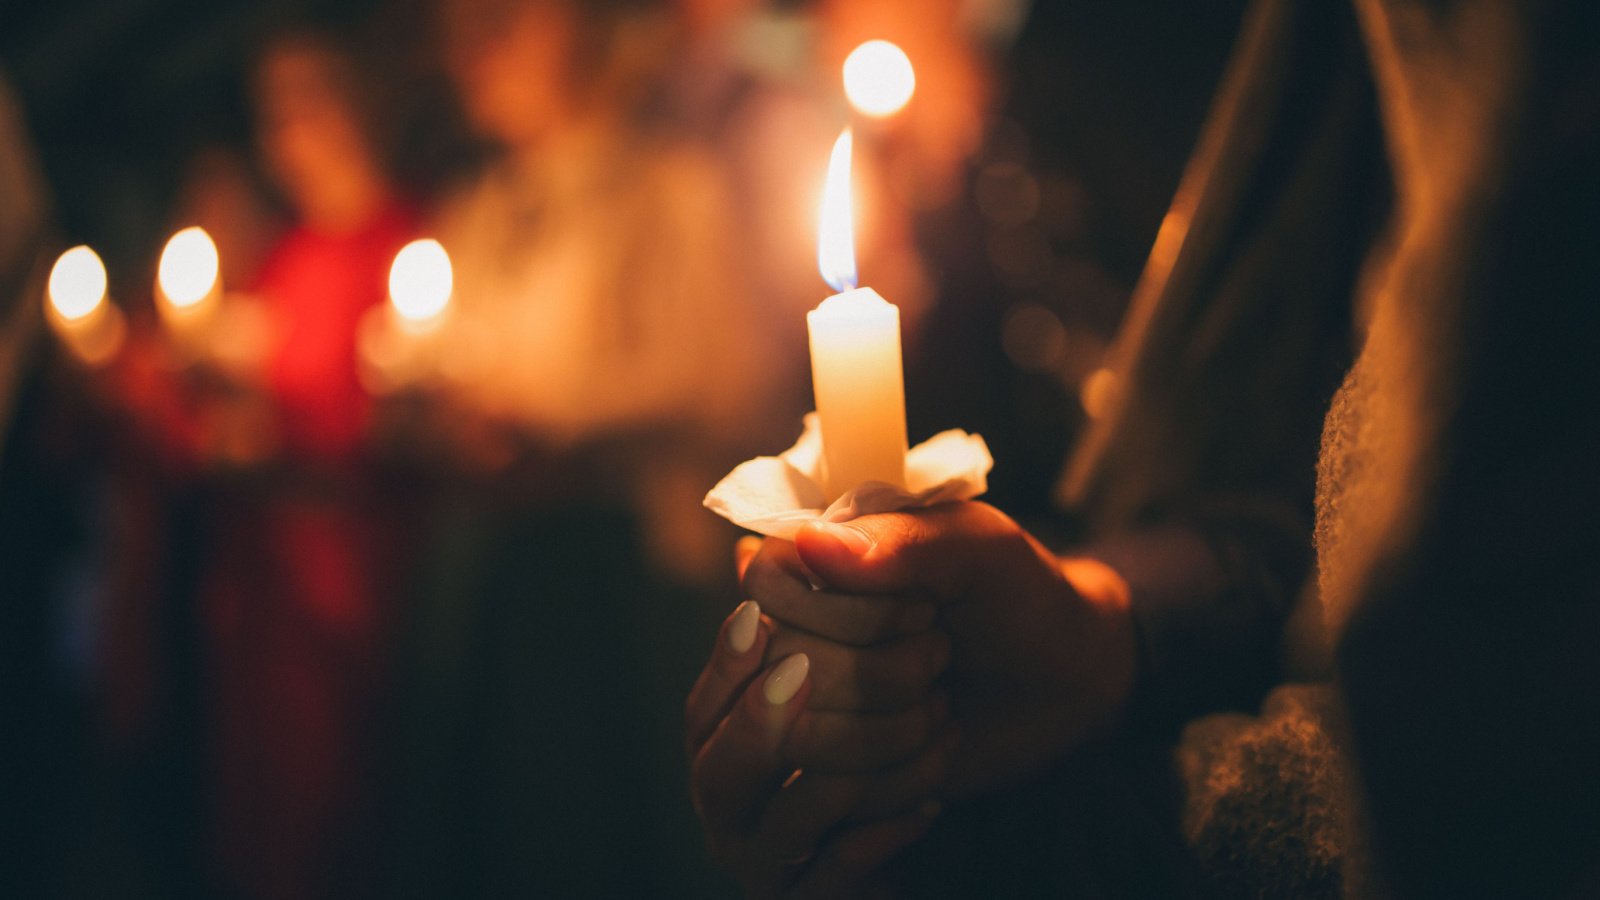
x=76, y=306
x=855, y=355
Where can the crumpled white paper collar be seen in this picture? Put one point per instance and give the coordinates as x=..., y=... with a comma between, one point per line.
x=776, y=495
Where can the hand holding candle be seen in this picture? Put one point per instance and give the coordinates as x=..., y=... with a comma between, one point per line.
x=852, y=459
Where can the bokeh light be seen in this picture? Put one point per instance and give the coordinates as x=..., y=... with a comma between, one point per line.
x=77, y=283
x=420, y=280
x=1033, y=338
x=878, y=78
x=1098, y=393
x=189, y=267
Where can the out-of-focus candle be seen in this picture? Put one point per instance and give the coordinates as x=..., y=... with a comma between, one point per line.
x=188, y=285
x=76, y=306
x=399, y=343
x=420, y=282
x=855, y=354
x=878, y=79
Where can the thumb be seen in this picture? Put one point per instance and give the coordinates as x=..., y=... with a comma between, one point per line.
x=940, y=549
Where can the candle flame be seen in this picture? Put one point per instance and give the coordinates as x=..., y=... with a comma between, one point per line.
x=836, y=239
x=420, y=280
x=878, y=79
x=77, y=283
x=189, y=267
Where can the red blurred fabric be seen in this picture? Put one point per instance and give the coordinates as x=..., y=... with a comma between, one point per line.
x=317, y=287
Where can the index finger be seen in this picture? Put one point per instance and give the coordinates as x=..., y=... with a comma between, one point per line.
x=777, y=579
x=735, y=660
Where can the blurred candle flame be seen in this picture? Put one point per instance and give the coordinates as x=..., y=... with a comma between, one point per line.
x=77, y=283
x=878, y=79
x=189, y=267
x=836, y=238
x=420, y=280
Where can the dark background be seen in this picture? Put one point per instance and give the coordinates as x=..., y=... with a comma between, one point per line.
x=119, y=95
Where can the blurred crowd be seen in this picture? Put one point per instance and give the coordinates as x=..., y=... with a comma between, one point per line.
x=309, y=599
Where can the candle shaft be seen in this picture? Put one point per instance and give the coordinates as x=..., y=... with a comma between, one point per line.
x=860, y=391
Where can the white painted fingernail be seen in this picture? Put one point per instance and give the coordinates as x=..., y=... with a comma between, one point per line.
x=786, y=679
x=742, y=630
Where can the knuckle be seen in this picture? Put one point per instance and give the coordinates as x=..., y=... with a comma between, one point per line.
x=760, y=578
x=986, y=519
x=780, y=640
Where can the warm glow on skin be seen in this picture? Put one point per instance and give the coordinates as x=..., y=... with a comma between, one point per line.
x=836, y=238
x=189, y=267
x=77, y=283
x=878, y=78
x=420, y=281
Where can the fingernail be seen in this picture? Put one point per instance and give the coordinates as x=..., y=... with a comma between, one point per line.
x=786, y=679
x=854, y=539
x=742, y=630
